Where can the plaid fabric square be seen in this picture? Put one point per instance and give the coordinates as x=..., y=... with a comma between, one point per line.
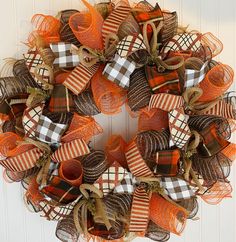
x=32, y=60
x=130, y=44
x=60, y=191
x=127, y=185
x=176, y=188
x=167, y=162
x=167, y=82
x=155, y=15
x=49, y=132
x=64, y=57
x=30, y=119
x=179, y=129
x=61, y=100
x=194, y=77
x=119, y=71
x=182, y=42
x=212, y=141
x=111, y=178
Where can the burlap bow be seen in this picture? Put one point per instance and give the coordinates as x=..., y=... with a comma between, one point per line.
x=91, y=202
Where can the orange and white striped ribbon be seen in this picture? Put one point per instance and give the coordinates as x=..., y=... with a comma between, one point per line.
x=222, y=109
x=139, y=211
x=139, y=217
x=166, y=101
x=137, y=165
x=70, y=150
x=79, y=78
x=23, y=161
x=113, y=21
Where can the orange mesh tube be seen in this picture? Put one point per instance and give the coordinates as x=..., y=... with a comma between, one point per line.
x=115, y=150
x=8, y=143
x=167, y=215
x=215, y=45
x=87, y=27
x=217, y=193
x=47, y=27
x=230, y=151
x=33, y=194
x=107, y=95
x=82, y=127
x=71, y=171
x=216, y=82
x=155, y=119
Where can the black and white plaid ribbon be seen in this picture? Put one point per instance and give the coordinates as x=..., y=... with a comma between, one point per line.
x=64, y=57
x=119, y=71
x=176, y=188
x=194, y=77
x=127, y=185
x=49, y=132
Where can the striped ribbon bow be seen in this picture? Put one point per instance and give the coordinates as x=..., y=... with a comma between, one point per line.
x=90, y=58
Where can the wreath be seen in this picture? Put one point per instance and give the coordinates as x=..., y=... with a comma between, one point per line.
x=80, y=64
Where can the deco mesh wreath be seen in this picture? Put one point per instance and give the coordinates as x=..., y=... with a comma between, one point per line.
x=82, y=63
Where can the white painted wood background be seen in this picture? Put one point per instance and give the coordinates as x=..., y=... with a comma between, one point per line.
x=217, y=223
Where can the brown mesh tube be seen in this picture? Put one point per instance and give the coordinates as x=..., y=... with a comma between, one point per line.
x=139, y=92
x=217, y=193
x=107, y=95
x=115, y=150
x=216, y=82
x=155, y=119
x=190, y=205
x=85, y=104
x=156, y=233
x=81, y=128
x=166, y=215
x=66, y=230
x=87, y=24
x=94, y=165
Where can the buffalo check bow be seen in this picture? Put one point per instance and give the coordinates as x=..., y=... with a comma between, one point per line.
x=64, y=56
x=121, y=67
x=48, y=131
x=178, y=120
x=194, y=77
x=81, y=75
x=176, y=188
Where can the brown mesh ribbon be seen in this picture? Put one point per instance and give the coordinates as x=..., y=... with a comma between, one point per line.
x=191, y=205
x=94, y=165
x=19, y=176
x=85, y=104
x=117, y=208
x=139, y=92
x=62, y=118
x=170, y=26
x=66, y=230
x=149, y=142
x=156, y=233
x=216, y=168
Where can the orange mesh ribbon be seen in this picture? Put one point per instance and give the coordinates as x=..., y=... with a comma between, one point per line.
x=82, y=128
x=47, y=27
x=217, y=80
x=107, y=95
x=167, y=215
x=217, y=193
x=115, y=150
